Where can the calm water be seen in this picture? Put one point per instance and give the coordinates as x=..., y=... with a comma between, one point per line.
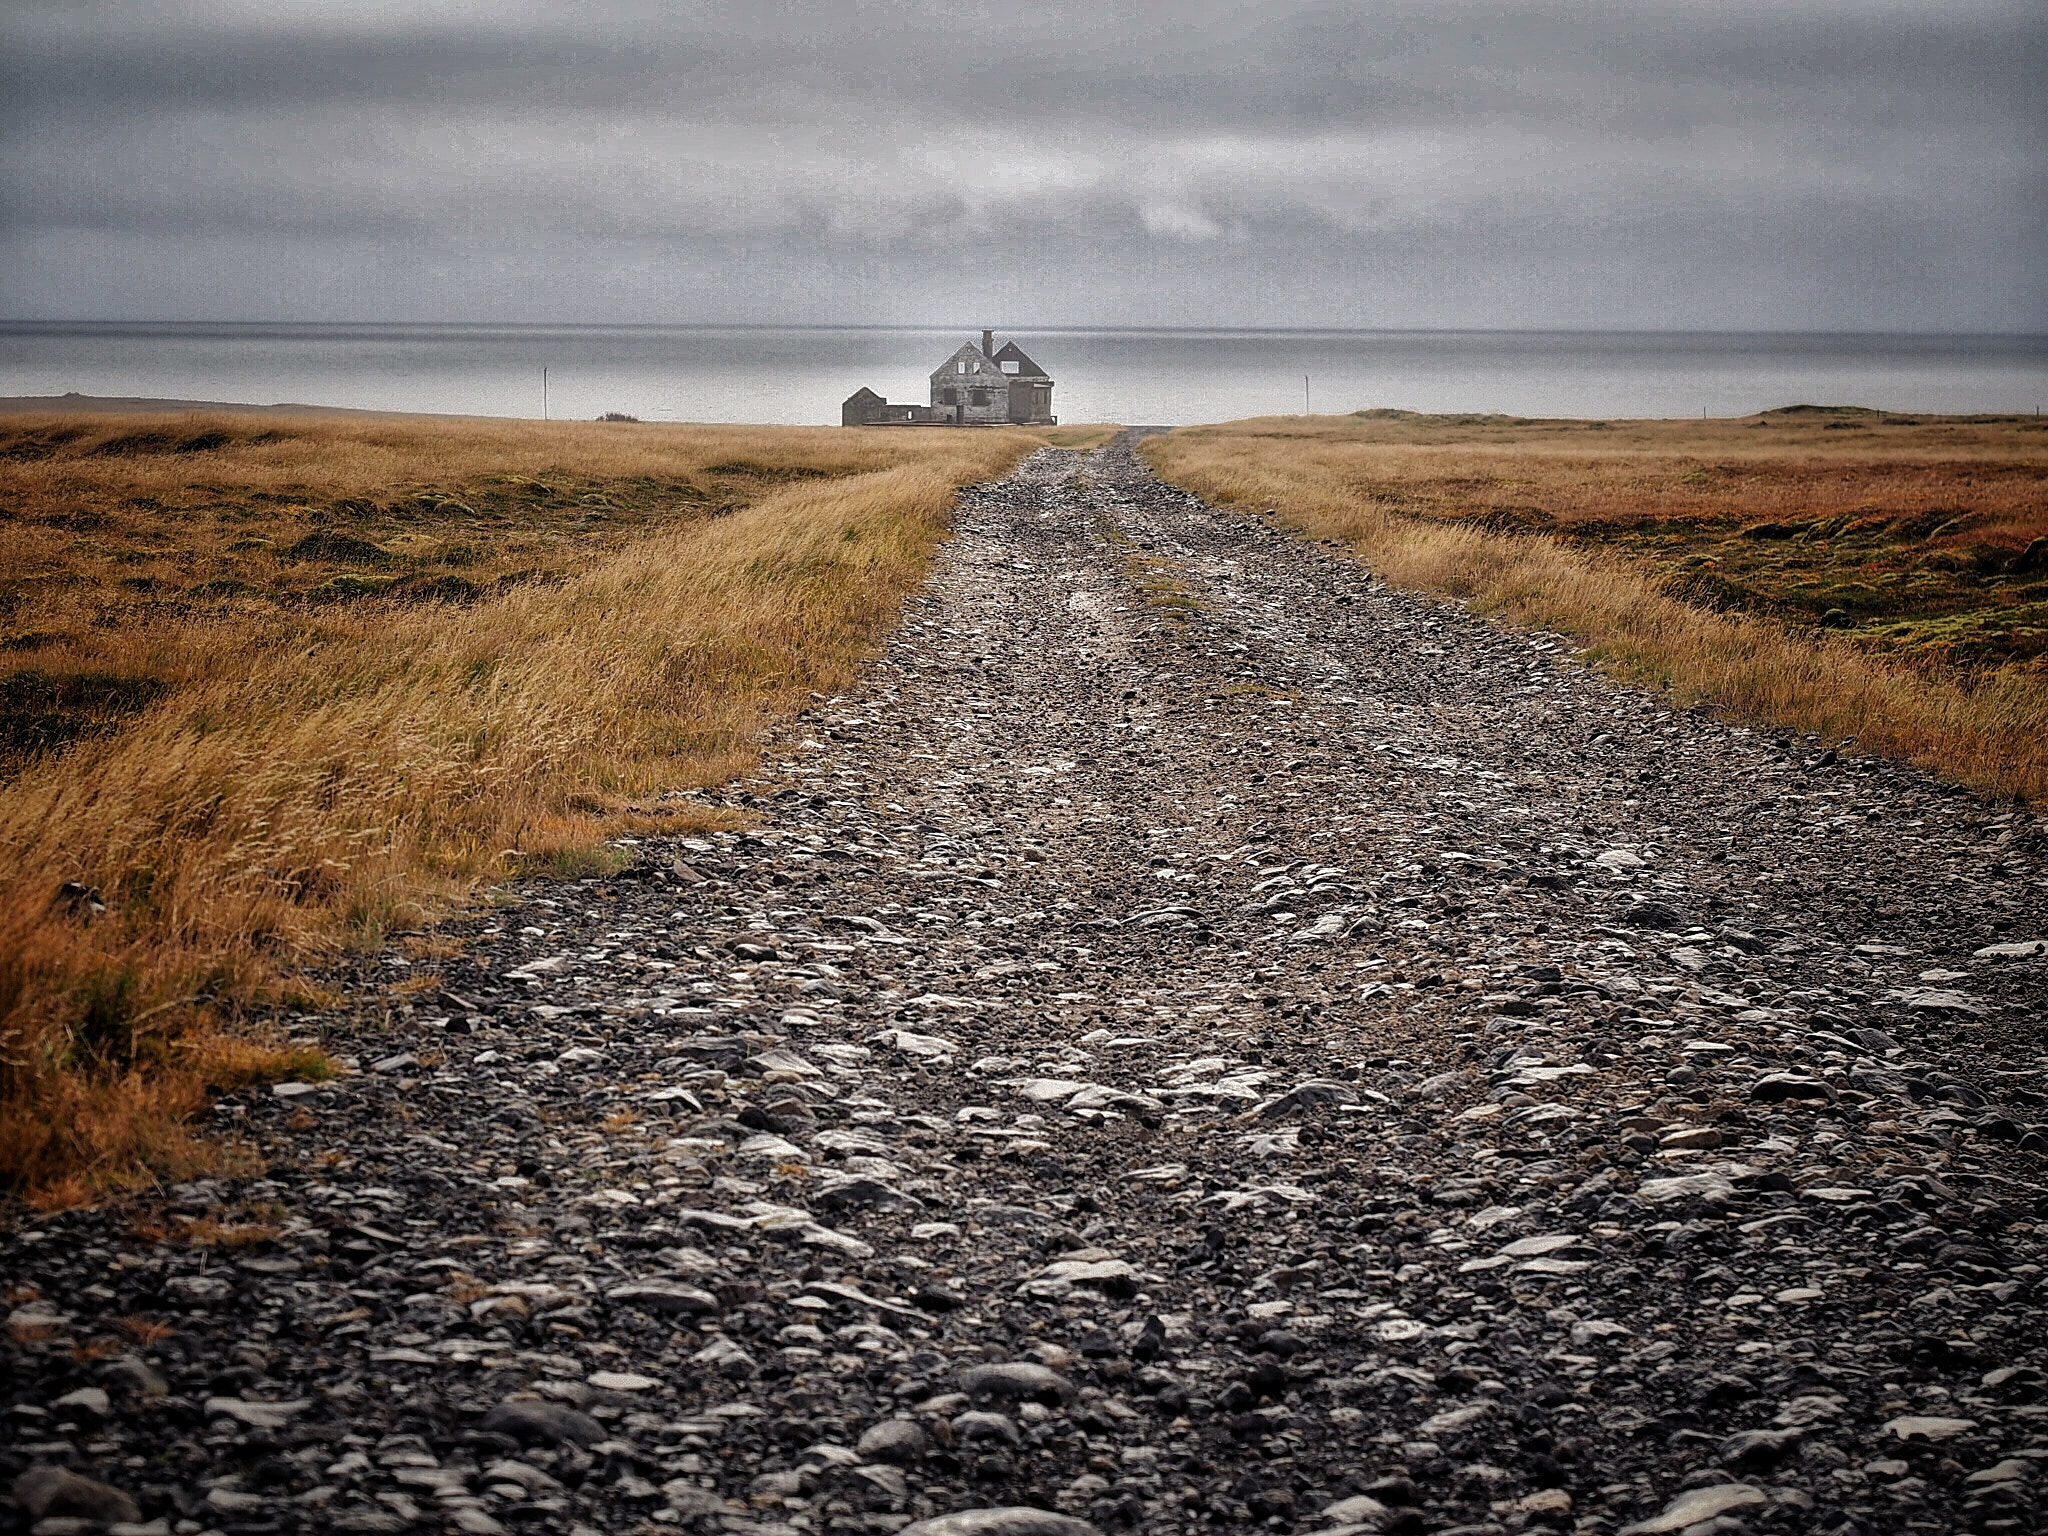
x=1165, y=377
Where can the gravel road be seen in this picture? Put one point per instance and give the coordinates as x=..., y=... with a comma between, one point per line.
x=1201, y=1041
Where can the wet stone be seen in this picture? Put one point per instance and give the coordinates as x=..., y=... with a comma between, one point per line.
x=542, y=1423
x=901, y=1441
x=1697, y=1508
x=1017, y=1380
x=56, y=1492
x=980, y=1425
x=663, y=1296
x=1002, y=1522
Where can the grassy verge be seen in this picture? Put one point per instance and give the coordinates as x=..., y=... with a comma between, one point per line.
x=1159, y=582
x=1620, y=535
x=250, y=717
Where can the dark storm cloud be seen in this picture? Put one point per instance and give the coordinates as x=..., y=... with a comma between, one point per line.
x=1837, y=164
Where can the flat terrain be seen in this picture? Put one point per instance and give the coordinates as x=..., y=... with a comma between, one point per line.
x=1923, y=538
x=74, y=403
x=1197, y=1040
x=142, y=556
x=191, y=539
x=1872, y=581
x=270, y=687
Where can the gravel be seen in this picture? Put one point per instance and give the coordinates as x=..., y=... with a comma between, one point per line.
x=1200, y=1041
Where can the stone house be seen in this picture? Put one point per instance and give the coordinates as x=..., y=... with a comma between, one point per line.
x=978, y=386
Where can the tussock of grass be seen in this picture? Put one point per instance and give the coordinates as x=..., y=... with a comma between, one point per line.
x=306, y=777
x=1159, y=581
x=1330, y=480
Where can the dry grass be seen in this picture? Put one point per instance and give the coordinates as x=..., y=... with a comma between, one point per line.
x=249, y=778
x=1082, y=436
x=1523, y=519
x=1925, y=539
x=1160, y=582
x=1791, y=465
x=205, y=1231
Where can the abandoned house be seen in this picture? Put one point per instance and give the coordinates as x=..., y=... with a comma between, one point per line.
x=975, y=387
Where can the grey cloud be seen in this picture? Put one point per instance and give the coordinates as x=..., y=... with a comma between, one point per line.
x=1827, y=164
x=1296, y=64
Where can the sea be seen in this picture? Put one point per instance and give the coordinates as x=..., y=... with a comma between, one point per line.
x=799, y=375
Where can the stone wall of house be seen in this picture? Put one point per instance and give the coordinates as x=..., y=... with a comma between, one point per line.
x=868, y=409
x=1031, y=400
x=970, y=387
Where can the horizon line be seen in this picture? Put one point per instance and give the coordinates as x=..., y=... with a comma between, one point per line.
x=26, y=322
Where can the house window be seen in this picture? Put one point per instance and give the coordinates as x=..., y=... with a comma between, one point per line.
x=977, y=397
x=1010, y=366
x=963, y=365
x=949, y=397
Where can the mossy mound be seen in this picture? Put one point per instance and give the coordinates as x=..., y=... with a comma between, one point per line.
x=439, y=589
x=342, y=548
x=349, y=587
x=42, y=711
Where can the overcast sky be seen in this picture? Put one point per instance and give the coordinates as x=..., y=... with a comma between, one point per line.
x=1726, y=164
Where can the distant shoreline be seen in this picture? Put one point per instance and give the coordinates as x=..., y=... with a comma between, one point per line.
x=122, y=405
x=18, y=326
x=800, y=376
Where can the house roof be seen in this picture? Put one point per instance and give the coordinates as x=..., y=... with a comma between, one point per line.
x=1010, y=352
x=864, y=394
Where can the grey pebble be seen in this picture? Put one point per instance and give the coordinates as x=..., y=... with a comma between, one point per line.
x=1001, y=1522
x=663, y=1296
x=982, y=1425
x=545, y=1423
x=1017, y=1379
x=54, y=1492
x=894, y=1440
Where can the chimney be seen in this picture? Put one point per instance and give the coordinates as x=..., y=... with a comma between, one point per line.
x=988, y=343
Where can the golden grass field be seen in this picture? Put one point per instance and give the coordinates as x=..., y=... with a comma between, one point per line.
x=1832, y=571
x=270, y=687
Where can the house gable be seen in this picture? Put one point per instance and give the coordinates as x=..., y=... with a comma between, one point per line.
x=968, y=365
x=1014, y=364
x=971, y=388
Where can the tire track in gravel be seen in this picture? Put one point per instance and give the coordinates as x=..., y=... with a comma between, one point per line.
x=1201, y=1041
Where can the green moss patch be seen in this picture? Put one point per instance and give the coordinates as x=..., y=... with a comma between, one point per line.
x=1920, y=586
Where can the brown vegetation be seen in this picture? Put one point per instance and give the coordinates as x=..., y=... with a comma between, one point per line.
x=275, y=686
x=1830, y=571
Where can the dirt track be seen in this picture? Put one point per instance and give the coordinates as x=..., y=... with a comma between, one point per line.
x=1200, y=1042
